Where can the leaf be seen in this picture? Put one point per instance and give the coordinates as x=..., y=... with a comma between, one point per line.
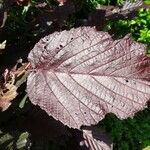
x=132, y=5
x=52, y=19
x=4, y=6
x=80, y=75
x=22, y=140
x=92, y=138
x=13, y=79
x=23, y=101
x=8, y=96
x=96, y=139
x=14, y=140
x=3, y=45
x=3, y=18
x=147, y=148
x=128, y=10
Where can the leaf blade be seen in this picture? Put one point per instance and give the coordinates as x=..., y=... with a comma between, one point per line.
x=82, y=74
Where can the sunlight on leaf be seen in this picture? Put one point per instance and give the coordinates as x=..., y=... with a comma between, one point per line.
x=2, y=45
x=147, y=148
x=23, y=101
x=81, y=75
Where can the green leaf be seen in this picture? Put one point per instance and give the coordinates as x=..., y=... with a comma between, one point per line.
x=22, y=141
x=23, y=101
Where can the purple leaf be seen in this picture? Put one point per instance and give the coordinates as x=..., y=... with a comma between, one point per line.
x=132, y=5
x=93, y=138
x=80, y=75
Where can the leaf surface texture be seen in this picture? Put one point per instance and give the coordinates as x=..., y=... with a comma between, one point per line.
x=80, y=75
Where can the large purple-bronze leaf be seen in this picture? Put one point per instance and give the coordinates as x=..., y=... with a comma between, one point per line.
x=80, y=75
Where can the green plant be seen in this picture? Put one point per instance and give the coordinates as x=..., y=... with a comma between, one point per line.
x=138, y=27
x=129, y=134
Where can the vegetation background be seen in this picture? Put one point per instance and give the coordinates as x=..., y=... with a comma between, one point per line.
x=23, y=126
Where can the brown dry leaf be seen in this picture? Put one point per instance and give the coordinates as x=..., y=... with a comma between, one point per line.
x=8, y=96
x=21, y=70
x=12, y=82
